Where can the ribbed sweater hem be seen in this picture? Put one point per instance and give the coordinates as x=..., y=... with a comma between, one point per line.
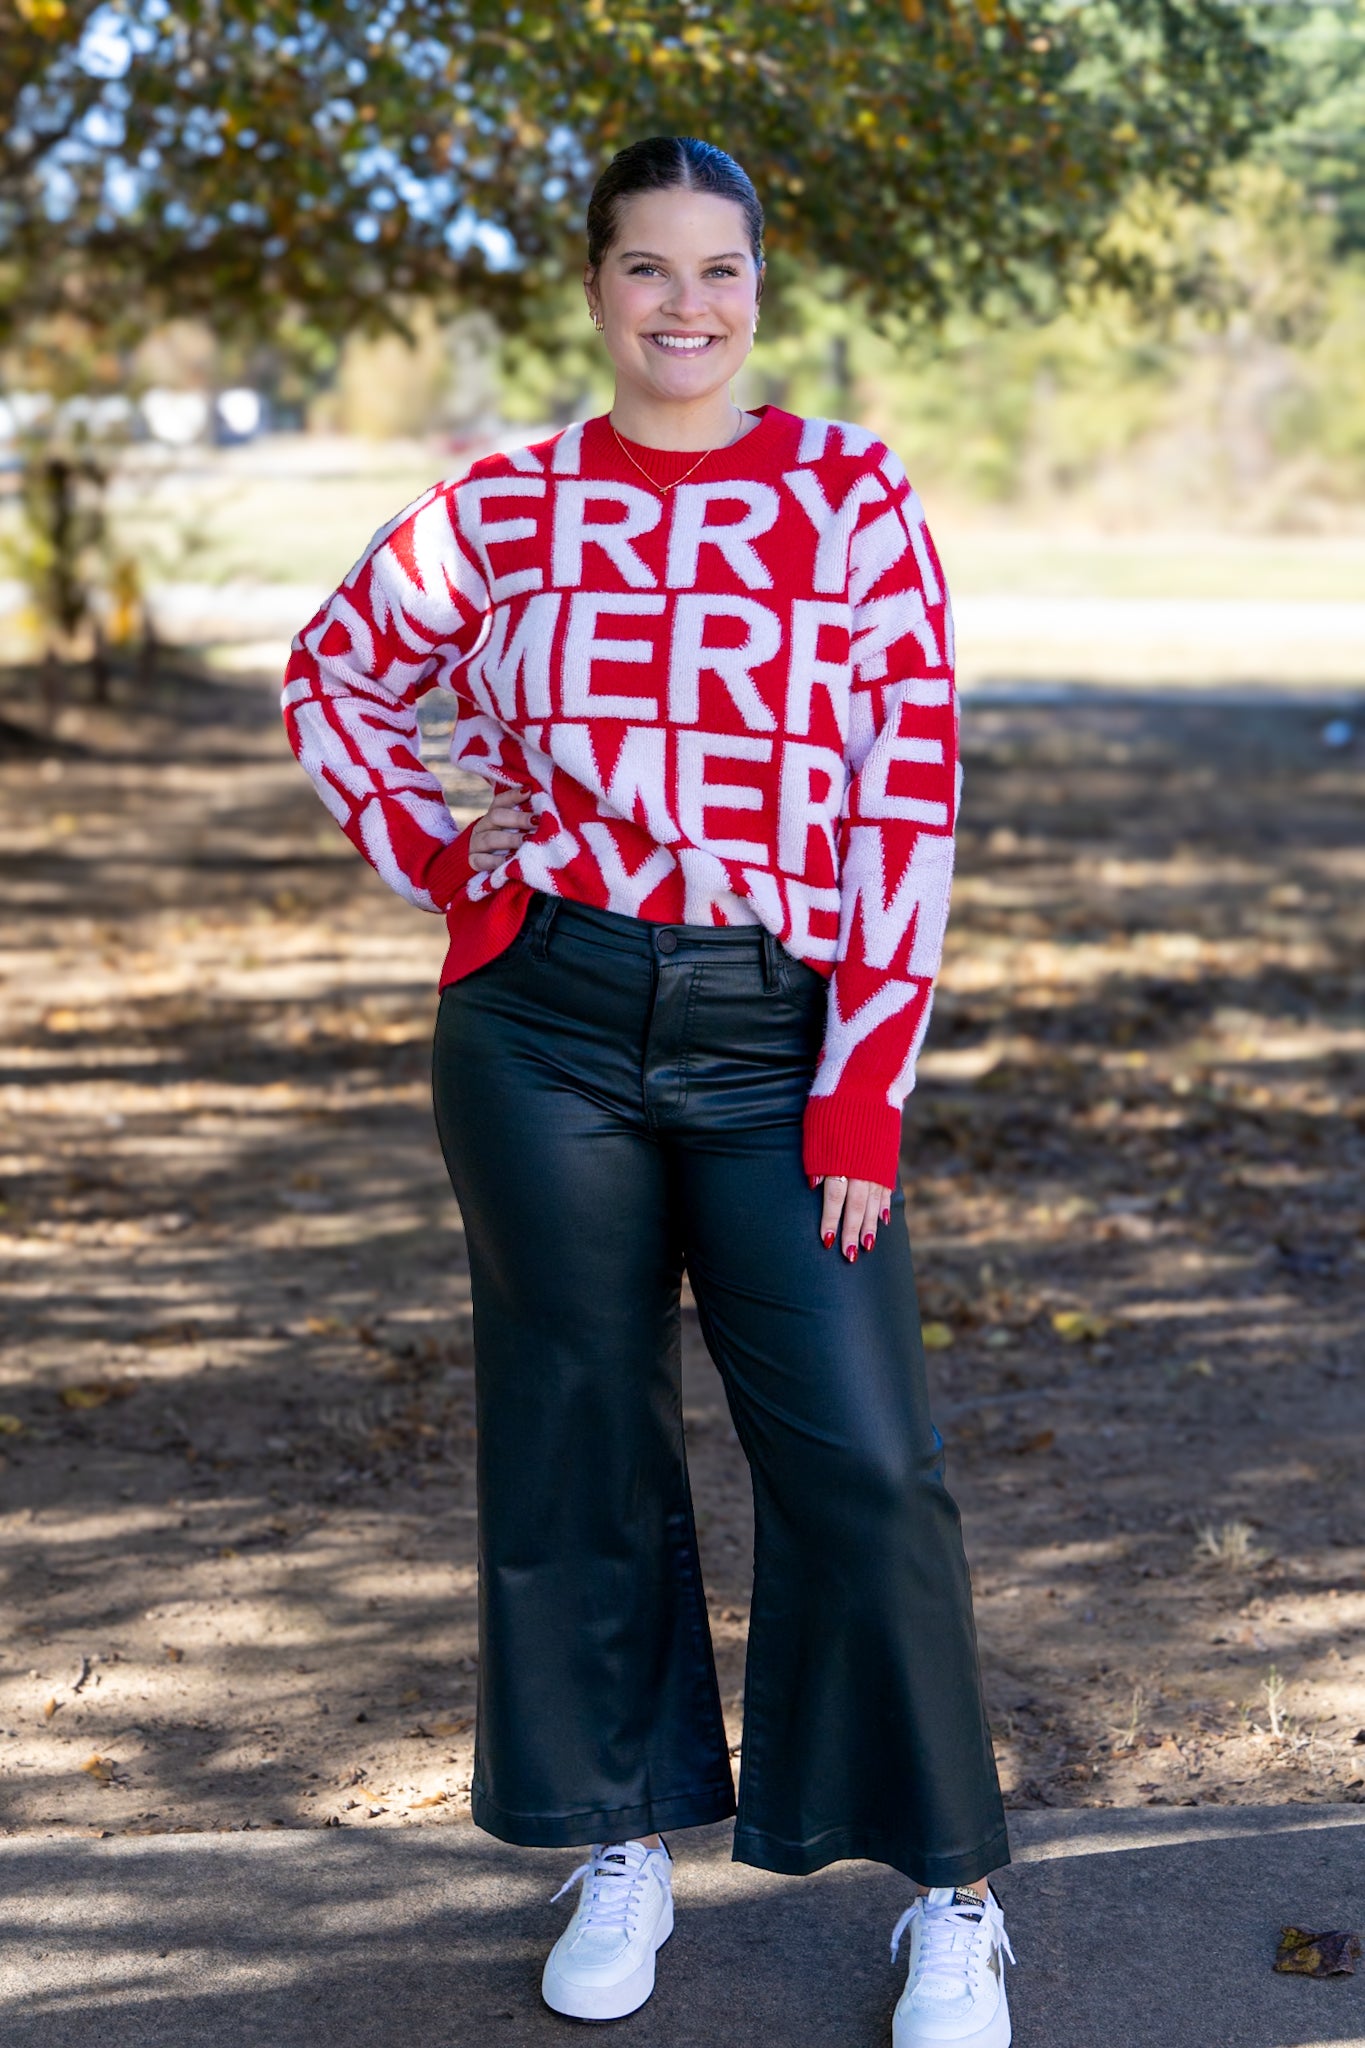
x=451, y=870
x=853, y=1133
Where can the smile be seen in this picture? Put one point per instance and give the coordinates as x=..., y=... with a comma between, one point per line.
x=684, y=344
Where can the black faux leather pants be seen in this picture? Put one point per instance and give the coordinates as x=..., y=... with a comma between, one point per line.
x=617, y=1100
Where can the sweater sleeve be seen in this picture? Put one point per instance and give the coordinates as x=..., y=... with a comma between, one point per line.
x=412, y=610
x=895, y=841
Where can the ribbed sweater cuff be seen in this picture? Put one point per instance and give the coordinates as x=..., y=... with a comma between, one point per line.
x=450, y=869
x=853, y=1133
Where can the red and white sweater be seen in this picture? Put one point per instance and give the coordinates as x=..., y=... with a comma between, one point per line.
x=732, y=703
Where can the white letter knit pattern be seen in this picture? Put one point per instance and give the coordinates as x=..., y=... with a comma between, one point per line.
x=732, y=704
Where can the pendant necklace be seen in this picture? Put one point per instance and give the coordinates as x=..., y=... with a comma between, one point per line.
x=664, y=489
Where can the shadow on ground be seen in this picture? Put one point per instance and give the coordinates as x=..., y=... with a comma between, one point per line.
x=236, y=1535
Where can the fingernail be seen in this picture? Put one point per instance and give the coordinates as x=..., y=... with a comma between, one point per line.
x=886, y=1215
x=869, y=1239
x=851, y=1254
x=815, y=1180
x=829, y=1239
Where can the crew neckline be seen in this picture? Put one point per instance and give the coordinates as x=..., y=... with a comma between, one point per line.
x=665, y=466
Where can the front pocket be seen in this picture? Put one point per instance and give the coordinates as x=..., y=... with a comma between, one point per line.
x=801, y=985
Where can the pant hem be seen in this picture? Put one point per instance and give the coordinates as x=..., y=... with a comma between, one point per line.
x=927, y=1867
x=619, y=1824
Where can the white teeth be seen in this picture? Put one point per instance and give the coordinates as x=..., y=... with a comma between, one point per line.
x=683, y=341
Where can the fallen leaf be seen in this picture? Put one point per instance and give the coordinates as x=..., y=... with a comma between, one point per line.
x=436, y=1799
x=414, y=1692
x=50, y=1707
x=936, y=1336
x=167, y=1333
x=1300, y=1954
x=10, y=1425
x=323, y=1326
x=95, y=1393
x=1079, y=1326
x=1043, y=1441
x=460, y=1727
x=174, y=1654
x=100, y=1768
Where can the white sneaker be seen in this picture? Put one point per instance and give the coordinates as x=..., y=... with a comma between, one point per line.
x=955, y=1989
x=602, y=1966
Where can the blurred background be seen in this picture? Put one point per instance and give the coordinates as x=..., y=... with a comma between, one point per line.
x=1097, y=273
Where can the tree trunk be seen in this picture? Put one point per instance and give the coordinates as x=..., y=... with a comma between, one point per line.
x=99, y=668
x=51, y=684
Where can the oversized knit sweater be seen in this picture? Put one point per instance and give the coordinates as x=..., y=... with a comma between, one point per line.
x=732, y=703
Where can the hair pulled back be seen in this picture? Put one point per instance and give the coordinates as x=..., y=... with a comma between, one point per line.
x=667, y=163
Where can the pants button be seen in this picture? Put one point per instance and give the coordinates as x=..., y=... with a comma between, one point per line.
x=667, y=942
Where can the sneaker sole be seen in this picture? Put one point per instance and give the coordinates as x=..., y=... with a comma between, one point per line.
x=997, y=2033
x=606, y=2001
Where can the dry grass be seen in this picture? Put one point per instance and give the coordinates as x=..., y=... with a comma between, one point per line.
x=1230, y=1546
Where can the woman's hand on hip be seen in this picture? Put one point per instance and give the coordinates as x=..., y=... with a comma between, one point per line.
x=851, y=1213
x=501, y=831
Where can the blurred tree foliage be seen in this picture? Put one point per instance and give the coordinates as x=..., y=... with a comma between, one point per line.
x=1228, y=388
x=1321, y=143
x=1242, y=402
x=243, y=159
x=292, y=174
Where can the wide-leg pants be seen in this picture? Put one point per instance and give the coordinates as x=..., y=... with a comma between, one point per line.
x=618, y=1101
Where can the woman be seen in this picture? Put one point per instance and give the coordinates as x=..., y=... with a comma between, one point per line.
x=704, y=658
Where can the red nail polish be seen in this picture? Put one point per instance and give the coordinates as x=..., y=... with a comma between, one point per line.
x=815, y=1180
x=886, y=1215
x=851, y=1254
x=869, y=1240
x=828, y=1239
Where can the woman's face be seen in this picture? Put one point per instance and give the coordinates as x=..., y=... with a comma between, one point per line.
x=677, y=294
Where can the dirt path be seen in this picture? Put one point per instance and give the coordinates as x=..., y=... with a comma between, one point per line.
x=236, y=1514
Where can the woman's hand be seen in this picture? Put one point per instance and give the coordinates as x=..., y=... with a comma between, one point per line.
x=851, y=1213
x=501, y=831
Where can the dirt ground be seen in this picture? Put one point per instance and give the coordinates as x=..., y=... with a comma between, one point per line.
x=236, y=1508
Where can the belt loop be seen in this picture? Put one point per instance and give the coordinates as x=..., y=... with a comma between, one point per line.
x=544, y=920
x=772, y=980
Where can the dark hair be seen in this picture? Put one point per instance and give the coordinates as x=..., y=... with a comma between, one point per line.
x=666, y=163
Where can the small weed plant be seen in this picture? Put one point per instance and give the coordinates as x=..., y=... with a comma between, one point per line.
x=1230, y=1546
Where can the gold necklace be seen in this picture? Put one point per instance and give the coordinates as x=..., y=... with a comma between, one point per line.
x=664, y=489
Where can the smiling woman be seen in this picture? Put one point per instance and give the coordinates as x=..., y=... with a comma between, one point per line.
x=706, y=658
x=674, y=290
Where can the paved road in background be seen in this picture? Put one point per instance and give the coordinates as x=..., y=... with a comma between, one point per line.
x=1276, y=645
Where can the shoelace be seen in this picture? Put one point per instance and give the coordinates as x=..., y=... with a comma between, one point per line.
x=612, y=1888
x=949, y=1932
